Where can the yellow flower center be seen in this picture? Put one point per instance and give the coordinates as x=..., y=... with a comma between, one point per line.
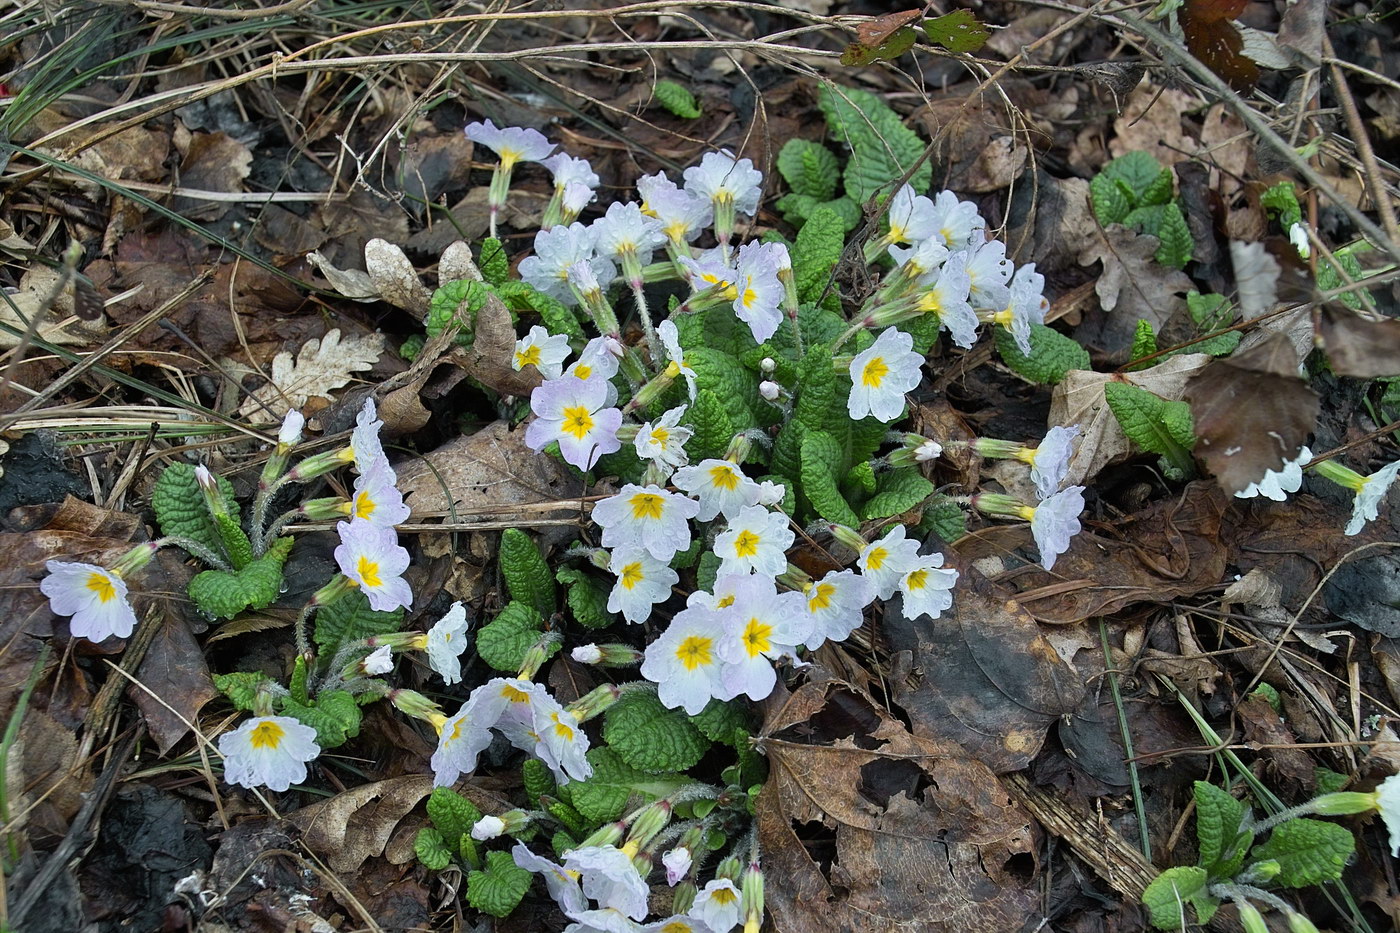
x=931, y=301
x=758, y=637
x=874, y=373
x=266, y=735
x=724, y=477
x=369, y=572
x=561, y=729
x=509, y=157
x=675, y=230
x=631, y=575
x=647, y=505
x=917, y=580
x=822, y=596
x=578, y=421
x=530, y=356
x=514, y=694
x=746, y=545
x=724, y=896
x=725, y=602
x=876, y=558
x=364, y=505
x=660, y=436
x=677, y=926
x=583, y=370
x=695, y=652
x=750, y=296
x=101, y=584
x=672, y=370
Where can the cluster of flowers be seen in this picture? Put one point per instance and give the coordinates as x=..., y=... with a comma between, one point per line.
x=1369, y=491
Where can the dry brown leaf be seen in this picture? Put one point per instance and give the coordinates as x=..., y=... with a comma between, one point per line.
x=1052, y=228
x=213, y=162
x=395, y=278
x=456, y=263
x=487, y=360
x=40, y=294
x=1079, y=399
x=321, y=366
x=999, y=163
x=483, y=473
x=1151, y=122
x=351, y=283
x=1356, y=346
x=1133, y=285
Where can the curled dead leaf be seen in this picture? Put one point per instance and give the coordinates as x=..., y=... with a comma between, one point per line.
x=1356, y=346
x=395, y=278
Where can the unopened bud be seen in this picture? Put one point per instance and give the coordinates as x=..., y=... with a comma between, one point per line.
x=677, y=863
x=609, y=655
x=849, y=537
x=928, y=451
x=767, y=365
x=1250, y=918
x=378, y=661
x=594, y=702
x=412, y=703
x=769, y=390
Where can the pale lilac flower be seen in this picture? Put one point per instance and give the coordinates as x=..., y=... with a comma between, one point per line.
x=649, y=186
x=663, y=441
x=1055, y=521
x=947, y=298
x=642, y=582
x=671, y=341
x=575, y=198
x=928, y=588
x=647, y=517
x=758, y=292
x=609, y=877
x=835, y=604
x=988, y=271
x=684, y=660
x=720, y=179
x=268, y=751
x=461, y=740
x=922, y=259
x=682, y=215
x=625, y=230
x=882, y=374
x=763, y=625
x=369, y=556
x=599, y=360
x=1277, y=484
x=718, y=905
x=511, y=144
x=721, y=487
x=1388, y=803
x=574, y=413
x=365, y=447
x=556, y=250
x=769, y=391
x=957, y=221
x=912, y=217
x=568, y=170
x=756, y=541
x=379, y=661
x=446, y=641
x=94, y=596
x=376, y=498
x=1050, y=461
x=885, y=561
x=710, y=270
x=1366, y=507
x=677, y=863
x=561, y=883
x=542, y=350
x=1026, y=306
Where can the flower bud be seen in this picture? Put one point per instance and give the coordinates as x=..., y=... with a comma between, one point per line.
x=606, y=835
x=1250, y=918
x=649, y=822
x=609, y=655
x=1297, y=923
x=752, y=889
x=849, y=537
x=488, y=827
x=1343, y=803
x=412, y=703
x=134, y=559
x=928, y=451
x=326, y=509
x=769, y=390
x=594, y=702
x=677, y=863
x=378, y=661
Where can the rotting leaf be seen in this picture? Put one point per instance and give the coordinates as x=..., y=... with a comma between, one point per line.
x=1356, y=346
x=321, y=366
x=1252, y=412
x=875, y=31
x=395, y=278
x=911, y=827
x=1133, y=285
x=981, y=675
x=858, y=55
x=959, y=31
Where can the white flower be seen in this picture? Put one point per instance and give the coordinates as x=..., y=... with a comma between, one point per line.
x=649, y=186
x=677, y=863
x=684, y=661
x=506, y=703
x=559, y=742
x=882, y=374
x=268, y=751
x=677, y=923
x=648, y=517
x=756, y=541
x=720, y=485
x=587, y=654
x=609, y=878
x=1026, y=306
x=710, y=270
x=912, y=217
x=379, y=661
x=576, y=197
x=764, y=625
x=561, y=883
x=1055, y=521
x=769, y=390
x=947, y=298
x=928, y=588
x=757, y=289
x=292, y=425
x=1050, y=461
x=663, y=441
x=1298, y=236
x=511, y=144
x=461, y=739
x=1277, y=484
x=568, y=170
x=1369, y=496
x=365, y=447
x=718, y=905
x=376, y=498
x=94, y=596
x=719, y=179
x=370, y=557
x=488, y=827
x=624, y=230
x=599, y=360
x=770, y=493
x=542, y=350
x=446, y=642
x=835, y=604
x=884, y=562
x=928, y=451
x=556, y=250
x=957, y=221
x=989, y=270
x=574, y=412
x=922, y=259
x=602, y=920
x=682, y=215
x=671, y=340
x=1388, y=802
x=642, y=582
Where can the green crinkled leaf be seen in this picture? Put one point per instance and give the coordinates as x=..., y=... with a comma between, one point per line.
x=334, y=714
x=222, y=595
x=1169, y=894
x=1212, y=313
x=686, y=557
x=1138, y=171
x=710, y=424
x=816, y=404
x=650, y=737
x=1161, y=190
x=706, y=570
x=1169, y=226
x=796, y=208
x=1052, y=354
x=821, y=463
x=624, y=464
x=236, y=544
x=499, y=889
x=676, y=99
x=1329, y=278
x=1150, y=421
x=180, y=508
x=1329, y=781
x=859, y=483
x=557, y=317
x=882, y=147
x=809, y=168
x=451, y=813
x=959, y=31
x=1111, y=201
x=504, y=641
x=412, y=345
x=350, y=619
x=528, y=579
x=605, y=796
x=493, y=262
x=432, y=849
x=898, y=492
x=787, y=449
x=1308, y=852
x=538, y=779
x=816, y=251
x=564, y=812
x=1144, y=345
x=241, y=687
x=819, y=326
x=732, y=384
x=716, y=329
x=587, y=598
x=945, y=518
x=1218, y=817
x=1281, y=202
x=457, y=301
x=720, y=718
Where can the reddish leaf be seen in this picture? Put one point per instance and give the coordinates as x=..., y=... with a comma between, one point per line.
x=1252, y=412
x=958, y=31
x=1356, y=346
x=1214, y=11
x=874, y=32
x=896, y=45
x=1219, y=46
